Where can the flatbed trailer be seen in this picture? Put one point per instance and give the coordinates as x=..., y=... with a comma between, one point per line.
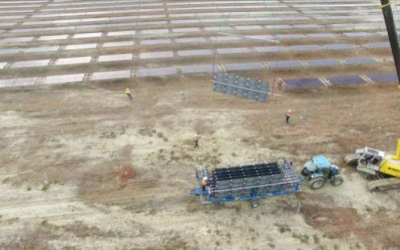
x=248, y=183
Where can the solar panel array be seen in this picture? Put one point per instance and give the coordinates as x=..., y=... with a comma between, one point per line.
x=83, y=41
x=242, y=87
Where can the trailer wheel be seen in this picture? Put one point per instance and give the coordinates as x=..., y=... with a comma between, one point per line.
x=254, y=203
x=317, y=183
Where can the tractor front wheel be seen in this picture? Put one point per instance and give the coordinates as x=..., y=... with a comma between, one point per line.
x=317, y=183
x=337, y=180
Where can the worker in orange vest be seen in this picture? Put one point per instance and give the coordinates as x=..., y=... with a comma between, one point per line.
x=204, y=183
x=288, y=115
x=196, y=139
x=280, y=83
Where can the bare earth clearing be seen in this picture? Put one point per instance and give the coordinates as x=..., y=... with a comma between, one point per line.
x=120, y=174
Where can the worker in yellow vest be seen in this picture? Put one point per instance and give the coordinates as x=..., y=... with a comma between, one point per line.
x=128, y=93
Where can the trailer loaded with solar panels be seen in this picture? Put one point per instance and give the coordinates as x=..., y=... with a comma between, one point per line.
x=250, y=182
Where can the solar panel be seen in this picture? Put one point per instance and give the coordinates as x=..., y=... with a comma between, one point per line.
x=41, y=49
x=74, y=60
x=81, y=46
x=155, y=31
x=27, y=64
x=17, y=82
x=322, y=35
x=118, y=57
x=322, y=62
x=305, y=47
x=346, y=80
x=270, y=49
x=285, y=64
x=186, y=30
x=190, y=40
x=359, y=60
x=307, y=26
x=155, y=41
x=338, y=46
x=122, y=33
x=49, y=38
x=17, y=39
x=64, y=79
x=303, y=83
x=384, y=78
x=217, y=28
x=290, y=36
x=243, y=66
x=379, y=45
x=278, y=26
x=200, y=52
x=157, y=72
x=233, y=50
x=159, y=54
x=224, y=38
x=197, y=69
x=357, y=34
x=119, y=44
x=246, y=88
x=88, y=35
x=249, y=27
x=111, y=75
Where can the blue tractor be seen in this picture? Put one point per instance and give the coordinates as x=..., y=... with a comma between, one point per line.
x=320, y=170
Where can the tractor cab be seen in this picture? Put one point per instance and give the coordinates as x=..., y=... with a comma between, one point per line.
x=320, y=170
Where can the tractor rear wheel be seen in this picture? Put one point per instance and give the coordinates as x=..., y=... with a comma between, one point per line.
x=317, y=183
x=337, y=180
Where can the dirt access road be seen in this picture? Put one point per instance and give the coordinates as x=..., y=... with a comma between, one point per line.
x=120, y=173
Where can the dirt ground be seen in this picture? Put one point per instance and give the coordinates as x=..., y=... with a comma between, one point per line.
x=83, y=168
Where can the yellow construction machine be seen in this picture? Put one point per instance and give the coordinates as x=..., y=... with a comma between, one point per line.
x=382, y=167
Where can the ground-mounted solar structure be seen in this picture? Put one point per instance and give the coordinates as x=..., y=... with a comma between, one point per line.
x=64, y=38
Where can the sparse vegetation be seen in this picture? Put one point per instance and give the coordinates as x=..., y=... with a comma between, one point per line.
x=283, y=228
x=316, y=239
x=302, y=237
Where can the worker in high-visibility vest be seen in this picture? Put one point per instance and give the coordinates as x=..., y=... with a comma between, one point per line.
x=128, y=93
x=280, y=83
x=196, y=139
x=204, y=182
x=288, y=115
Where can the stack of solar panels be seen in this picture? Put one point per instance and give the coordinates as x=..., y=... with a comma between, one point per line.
x=241, y=87
x=246, y=180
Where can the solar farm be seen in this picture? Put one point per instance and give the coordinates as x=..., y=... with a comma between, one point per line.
x=84, y=167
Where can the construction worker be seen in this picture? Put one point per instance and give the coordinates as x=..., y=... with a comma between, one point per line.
x=288, y=115
x=128, y=93
x=280, y=83
x=204, y=182
x=196, y=139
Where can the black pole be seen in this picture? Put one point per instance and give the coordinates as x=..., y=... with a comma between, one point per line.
x=392, y=32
